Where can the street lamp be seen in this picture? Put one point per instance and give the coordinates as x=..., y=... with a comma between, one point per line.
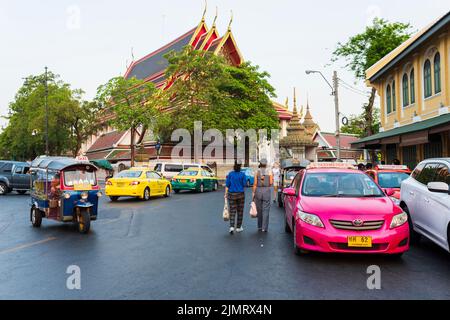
x=334, y=92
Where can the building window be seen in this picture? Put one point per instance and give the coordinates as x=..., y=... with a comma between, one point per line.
x=437, y=73
x=405, y=90
x=394, y=102
x=427, y=78
x=412, y=90
x=388, y=99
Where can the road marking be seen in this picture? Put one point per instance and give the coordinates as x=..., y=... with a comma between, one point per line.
x=27, y=245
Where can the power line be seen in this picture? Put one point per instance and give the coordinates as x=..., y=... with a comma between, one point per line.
x=348, y=86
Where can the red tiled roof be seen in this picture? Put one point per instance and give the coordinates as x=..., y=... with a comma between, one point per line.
x=283, y=113
x=106, y=141
x=346, y=139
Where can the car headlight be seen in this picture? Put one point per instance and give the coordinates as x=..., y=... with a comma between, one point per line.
x=395, y=200
x=399, y=220
x=311, y=219
x=84, y=195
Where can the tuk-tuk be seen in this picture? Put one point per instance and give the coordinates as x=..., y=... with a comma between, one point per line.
x=64, y=189
x=289, y=169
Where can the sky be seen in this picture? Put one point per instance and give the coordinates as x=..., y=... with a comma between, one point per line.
x=87, y=42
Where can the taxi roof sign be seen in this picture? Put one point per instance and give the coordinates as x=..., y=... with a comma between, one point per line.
x=392, y=167
x=82, y=158
x=330, y=165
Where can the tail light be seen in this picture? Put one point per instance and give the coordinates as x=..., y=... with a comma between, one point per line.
x=134, y=183
x=108, y=183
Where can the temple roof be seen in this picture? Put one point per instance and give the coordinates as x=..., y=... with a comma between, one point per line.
x=155, y=62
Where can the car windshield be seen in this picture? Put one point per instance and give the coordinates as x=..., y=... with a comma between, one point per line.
x=129, y=174
x=391, y=179
x=188, y=173
x=79, y=177
x=340, y=184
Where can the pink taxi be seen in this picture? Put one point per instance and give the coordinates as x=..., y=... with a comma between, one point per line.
x=332, y=208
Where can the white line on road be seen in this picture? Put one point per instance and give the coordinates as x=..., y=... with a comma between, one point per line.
x=27, y=245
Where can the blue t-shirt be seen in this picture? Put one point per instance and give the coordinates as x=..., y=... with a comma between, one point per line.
x=235, y=182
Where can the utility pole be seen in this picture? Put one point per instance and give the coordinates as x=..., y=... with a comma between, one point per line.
x=336, y=109
x=46, y=112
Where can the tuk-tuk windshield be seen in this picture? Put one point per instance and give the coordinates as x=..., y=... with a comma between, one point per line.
x=79, y=177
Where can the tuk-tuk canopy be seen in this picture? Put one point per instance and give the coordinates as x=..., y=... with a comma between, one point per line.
x=104, y=164
x=59, y=163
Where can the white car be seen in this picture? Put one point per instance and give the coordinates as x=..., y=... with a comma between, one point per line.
x=425, y=197
x=170, y=170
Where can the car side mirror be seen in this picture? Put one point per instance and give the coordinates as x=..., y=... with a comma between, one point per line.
x=439, y=187
x=389, y=192
x=290, y=192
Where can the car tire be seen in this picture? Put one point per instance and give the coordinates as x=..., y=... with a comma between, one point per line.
x=22, y=192
x=3, y=189
x=84, y=221
x=36, y=217
x=146, y=195
x=414, y=237
x=114, y=198
x=287, y=229
x=298, y=251
x=280, y=200
x=167, y=194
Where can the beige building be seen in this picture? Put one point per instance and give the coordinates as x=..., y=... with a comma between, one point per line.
x=413, y=86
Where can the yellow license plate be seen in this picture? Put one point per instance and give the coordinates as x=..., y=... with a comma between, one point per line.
x=360, y=241
x=82, y=187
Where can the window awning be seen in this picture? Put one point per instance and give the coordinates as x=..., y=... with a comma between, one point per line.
x=437, y=124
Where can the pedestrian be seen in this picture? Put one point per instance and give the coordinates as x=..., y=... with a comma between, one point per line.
x=361, y=167
x=369, y=166
x=396, y=162
x=262, y=194
x=234, y=192
x=276, y=180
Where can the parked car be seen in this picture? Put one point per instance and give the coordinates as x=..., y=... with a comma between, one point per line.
x=390, y=177
x=195, y=179
x=137, y=182
x=289, y=169
x=330, y=208
x=14, y=176
x=170, y=170
x=425, y=198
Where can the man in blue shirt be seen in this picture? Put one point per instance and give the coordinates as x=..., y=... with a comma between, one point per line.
x=234, y=192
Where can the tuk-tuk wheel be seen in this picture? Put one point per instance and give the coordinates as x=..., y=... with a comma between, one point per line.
x=84, y=221
x=36, y=217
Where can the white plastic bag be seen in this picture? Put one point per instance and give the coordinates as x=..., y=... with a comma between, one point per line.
x=253, y=211
x=226, y=213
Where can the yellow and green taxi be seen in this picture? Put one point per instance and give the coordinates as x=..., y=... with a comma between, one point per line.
x=195, y=179
x=142, y=183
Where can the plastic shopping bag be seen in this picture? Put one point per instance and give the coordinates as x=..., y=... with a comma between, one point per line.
x=253, y=211
x=226, y=213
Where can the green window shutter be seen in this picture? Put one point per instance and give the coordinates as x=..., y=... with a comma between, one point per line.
x=388, y=99
x=405, y=90
x=437, y=73
x=412, y=90
x=427, y=78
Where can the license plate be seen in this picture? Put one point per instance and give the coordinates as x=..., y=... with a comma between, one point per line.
x=120, y=185
x=184, y=181
x=360, y=241
x=81, y=187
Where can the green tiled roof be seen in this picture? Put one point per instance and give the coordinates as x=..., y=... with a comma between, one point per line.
x=414, y=127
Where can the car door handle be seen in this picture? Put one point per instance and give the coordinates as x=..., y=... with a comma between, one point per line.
x=411, y=193
x=426, y=200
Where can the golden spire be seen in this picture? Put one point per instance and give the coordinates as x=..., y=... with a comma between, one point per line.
x=295, y=101
x=231, y=21
x=286, y=103
x=215, y=18
x=204, y=11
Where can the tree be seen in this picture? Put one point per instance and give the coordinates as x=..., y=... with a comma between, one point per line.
x=134, y=106
x=365, y=49
x=357, y=124
x=219, y=95
x=70, y=120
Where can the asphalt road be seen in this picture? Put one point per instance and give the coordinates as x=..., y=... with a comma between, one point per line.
x=179, y=248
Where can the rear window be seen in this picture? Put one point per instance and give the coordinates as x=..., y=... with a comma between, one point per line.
x=391, y=179
x=129, y=174
x=189, y=173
